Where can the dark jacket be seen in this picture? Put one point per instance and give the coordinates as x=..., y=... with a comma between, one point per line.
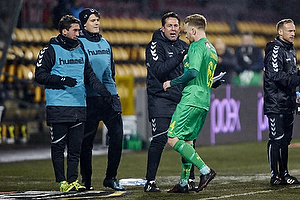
x=249, y=58
x=44, y=75
x=280, y=77
x=164, y=62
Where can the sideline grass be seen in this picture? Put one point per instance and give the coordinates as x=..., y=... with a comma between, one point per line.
x=242, y=173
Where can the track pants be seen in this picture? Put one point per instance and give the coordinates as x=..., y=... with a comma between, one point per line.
x=280, y=136
x=98, y=111
x=160, y=128
x=62, y=135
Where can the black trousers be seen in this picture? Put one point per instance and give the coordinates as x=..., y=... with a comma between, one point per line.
x=280, y=136
x=160, y=128
x=62, y=135
x=98, y=110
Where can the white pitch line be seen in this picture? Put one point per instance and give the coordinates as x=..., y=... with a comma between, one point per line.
x=247, y=193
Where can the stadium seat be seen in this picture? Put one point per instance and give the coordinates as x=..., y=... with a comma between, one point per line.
x=135, y=71
x=106, y=23
x=108, y=36
x=37, y=94
x=119, y=37
x=20, y=71
x=45, y=36
x=28, y=55
x=127, y=38
x=28, y=35
x=123, y=23
x=19, y=35
x=11, y=70
x=36, y=35
x=2, y=78
x=114, y=37
x=218, y=28
x=134, y=53
x=120, y=54
x=17, y=51
x=35, y=51
x=259, y=41
x=119, y=70
x=128, y=70
x=143, y=70
x=142, y=53
x=25, y=72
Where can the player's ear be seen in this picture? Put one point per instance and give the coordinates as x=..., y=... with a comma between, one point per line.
x=193, y=31
x=64, y=32
x=280, y=32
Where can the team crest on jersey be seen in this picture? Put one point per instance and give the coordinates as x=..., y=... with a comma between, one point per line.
x=207, y=45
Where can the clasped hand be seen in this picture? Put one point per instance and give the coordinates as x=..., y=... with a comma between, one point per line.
x=166, y=85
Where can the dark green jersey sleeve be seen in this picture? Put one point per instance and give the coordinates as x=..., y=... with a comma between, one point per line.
x=186, y=77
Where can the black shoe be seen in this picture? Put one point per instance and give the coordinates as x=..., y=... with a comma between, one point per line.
x=179, y=189
x=289, y=180
x=113, y=183
x=275, y=180
x=89, y=188
x=205, y=179
x=192, y=185
x=150, y=186
x=87, y=185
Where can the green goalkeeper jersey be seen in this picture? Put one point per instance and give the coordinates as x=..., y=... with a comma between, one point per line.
x=202, y=56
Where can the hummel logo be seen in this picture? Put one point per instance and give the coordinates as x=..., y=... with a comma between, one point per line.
x=273, y=126
x=153, y=125
x=153, y=52
x=38, y=64
x=274, y=58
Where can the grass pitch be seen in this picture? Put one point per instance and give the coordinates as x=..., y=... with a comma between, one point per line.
x=242, y=173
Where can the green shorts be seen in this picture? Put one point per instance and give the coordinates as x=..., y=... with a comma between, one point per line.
x=187, y=122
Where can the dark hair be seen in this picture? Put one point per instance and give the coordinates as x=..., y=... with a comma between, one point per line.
x=280, y=24
x=66, y=21
x=167, y=15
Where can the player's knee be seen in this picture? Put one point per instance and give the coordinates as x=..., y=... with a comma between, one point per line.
x=172, y=141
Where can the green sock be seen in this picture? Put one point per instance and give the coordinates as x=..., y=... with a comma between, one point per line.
x=183, y=182
x=189, y=153
x=185, y=169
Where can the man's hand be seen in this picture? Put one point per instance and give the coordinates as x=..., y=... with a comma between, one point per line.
x=68, y=81
x=166, y=85
x=106, y=96
x=184, y=56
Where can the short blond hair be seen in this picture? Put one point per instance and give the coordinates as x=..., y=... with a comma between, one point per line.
x=196, y=20
x=280, y=24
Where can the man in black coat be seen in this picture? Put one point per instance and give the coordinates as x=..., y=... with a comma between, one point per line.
x=281, y=77
x=164, y=56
